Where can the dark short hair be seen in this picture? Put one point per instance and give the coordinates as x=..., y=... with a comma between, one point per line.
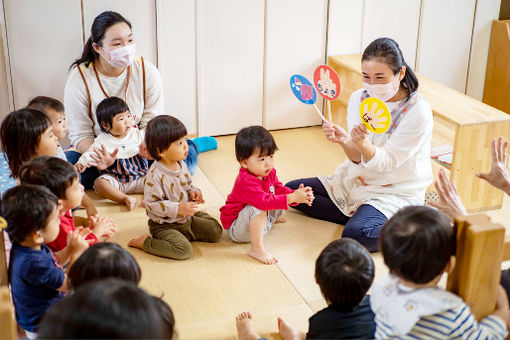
x=52, y=172
x=21, y=133
x=107, y=109
x=107, y=309
x=344, y=271
x=26, y=209
x=104, y=260
x=417, y=243
x=41, y=103
x=387, y=51
x=162, y=131
x=251, y=139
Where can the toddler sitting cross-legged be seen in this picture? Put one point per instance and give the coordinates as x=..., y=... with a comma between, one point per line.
x=171, y=199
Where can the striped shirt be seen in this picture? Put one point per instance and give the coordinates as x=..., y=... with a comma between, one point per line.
x=456, y=323
x=403, y=312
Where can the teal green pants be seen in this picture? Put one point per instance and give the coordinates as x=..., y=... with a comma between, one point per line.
x=172, y=240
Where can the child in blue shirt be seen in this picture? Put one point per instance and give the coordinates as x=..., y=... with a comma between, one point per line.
x=36, y=277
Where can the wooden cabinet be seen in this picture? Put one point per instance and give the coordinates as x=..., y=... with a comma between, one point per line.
x=497, y=77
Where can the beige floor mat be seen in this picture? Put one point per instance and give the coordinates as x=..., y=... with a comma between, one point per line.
x=220, y=280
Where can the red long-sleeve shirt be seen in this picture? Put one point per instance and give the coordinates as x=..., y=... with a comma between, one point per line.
x=265, y=194
x=66, y=227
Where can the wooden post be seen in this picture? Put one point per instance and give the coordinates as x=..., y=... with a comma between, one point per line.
x=476, y=276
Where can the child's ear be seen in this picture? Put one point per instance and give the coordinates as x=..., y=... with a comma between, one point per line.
x=244, y=163
x=37, y=237
x=60, y=204
x=106, y=126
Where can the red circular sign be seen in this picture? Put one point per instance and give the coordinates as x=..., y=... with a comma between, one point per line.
x=326, y=82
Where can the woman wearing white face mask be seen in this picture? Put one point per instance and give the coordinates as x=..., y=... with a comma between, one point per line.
x=384, y=172
x=109, y=67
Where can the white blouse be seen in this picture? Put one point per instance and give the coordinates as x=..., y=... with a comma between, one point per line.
x=400, y=170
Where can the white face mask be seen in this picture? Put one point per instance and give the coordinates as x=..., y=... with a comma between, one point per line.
x=383, y=92
x=122, y=56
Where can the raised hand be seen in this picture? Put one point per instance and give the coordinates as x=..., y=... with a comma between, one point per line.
x=102, y=158
x=449, y=199
x=187, y=208
x=80, y=167
x=334, y=133
x=498, y=174
x=359, y=133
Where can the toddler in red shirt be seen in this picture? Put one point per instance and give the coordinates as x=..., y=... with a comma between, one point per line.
x=62, y=179
x=258, y=199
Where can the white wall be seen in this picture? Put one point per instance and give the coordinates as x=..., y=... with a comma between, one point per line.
x=226, y=64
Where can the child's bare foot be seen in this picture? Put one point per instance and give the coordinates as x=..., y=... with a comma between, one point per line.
x=142, y=203
x=287, y=332
x=245, y=329
x=130, y=202
x=281, y=219
x=138, y=242
x=263, y=256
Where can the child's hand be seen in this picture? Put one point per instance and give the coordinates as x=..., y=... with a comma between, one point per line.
x=77, y=242
x=359, y=133
x=196, y=196
x=102, y=158
x=80, y=167
x=301, y=195
x=187, y=208
x=102, y=228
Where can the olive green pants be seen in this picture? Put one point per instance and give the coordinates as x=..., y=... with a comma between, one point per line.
x=172, y=240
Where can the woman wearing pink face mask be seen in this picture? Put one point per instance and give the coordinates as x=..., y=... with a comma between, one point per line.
x=109, y=67
x=384, y=172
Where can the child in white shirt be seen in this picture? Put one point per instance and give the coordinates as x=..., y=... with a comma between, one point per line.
x=121, y=140
x=418, y=246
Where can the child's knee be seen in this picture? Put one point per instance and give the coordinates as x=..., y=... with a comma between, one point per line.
x=183, y=251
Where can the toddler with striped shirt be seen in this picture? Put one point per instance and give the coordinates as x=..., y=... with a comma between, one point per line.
x=418, y=246
x=125, y=168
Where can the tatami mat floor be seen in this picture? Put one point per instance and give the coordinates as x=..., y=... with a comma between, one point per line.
x=220, y=280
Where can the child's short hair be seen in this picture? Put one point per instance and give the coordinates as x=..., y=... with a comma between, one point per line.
x=52, y=172
x=104, y=260
x=20, y=133
x=417, y=243
x=41, y=103
x=251, y=139
x=108, y=309
x=162, y=131
x=26, y=209
x=344, y=271
x=107, y=109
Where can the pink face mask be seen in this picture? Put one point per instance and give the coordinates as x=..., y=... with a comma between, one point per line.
x=383, y=92
x=122, y=56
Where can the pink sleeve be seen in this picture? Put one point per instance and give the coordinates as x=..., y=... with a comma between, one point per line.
x=255, y=196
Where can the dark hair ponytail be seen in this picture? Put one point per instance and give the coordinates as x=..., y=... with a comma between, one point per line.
x=101, y=23
x=388, y=51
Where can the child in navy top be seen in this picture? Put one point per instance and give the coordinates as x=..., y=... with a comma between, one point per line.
x=36, y=277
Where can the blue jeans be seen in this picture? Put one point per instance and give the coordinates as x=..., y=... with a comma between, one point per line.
x=364, y=226
x=88, y=176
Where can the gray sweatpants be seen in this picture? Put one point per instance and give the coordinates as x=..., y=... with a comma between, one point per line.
x=239, y=231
